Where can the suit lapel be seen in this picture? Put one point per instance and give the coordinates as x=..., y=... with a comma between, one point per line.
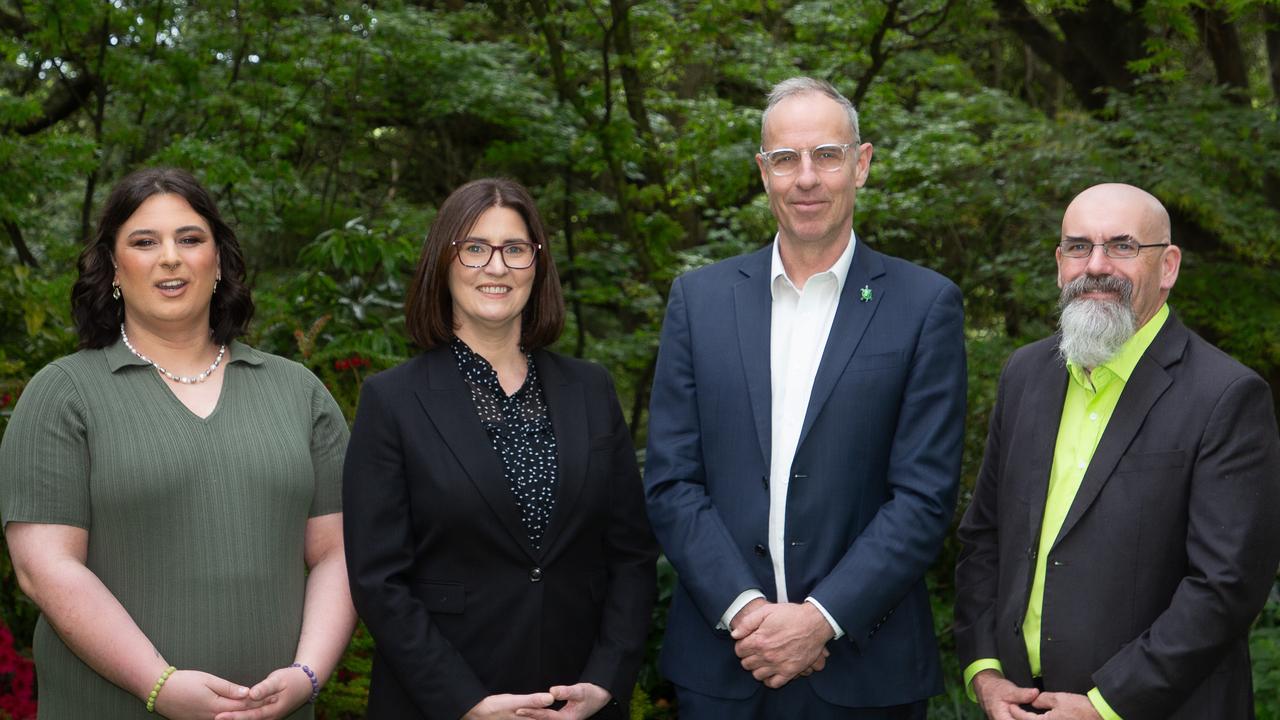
x=1148, y=382
x=568, y=407
x=446, y=399
x=1042, y=404
x=753, y=308
x=851, y=320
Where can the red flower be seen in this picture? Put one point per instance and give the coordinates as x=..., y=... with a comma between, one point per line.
x=351, y=363
x=5, y=399
x=17, y=680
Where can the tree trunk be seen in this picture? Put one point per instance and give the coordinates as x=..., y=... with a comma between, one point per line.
x=1222, y=42
x=1271, y=16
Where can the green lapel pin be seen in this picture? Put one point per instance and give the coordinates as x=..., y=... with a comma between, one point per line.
x=866, y=293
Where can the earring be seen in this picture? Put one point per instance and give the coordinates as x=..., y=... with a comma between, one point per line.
x=115, y=291
x=215, y=285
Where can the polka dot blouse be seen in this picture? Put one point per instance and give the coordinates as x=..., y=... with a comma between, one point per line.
x=520, y=429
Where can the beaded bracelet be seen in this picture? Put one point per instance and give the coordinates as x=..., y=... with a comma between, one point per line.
x=155, y=691
x=315, y=683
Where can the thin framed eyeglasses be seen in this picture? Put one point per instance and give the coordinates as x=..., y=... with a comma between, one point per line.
x=1119, y=249
x=515, y=255
x=827, y=158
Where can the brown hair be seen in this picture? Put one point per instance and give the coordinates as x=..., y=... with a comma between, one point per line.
x=98, y=316
x=428, y=308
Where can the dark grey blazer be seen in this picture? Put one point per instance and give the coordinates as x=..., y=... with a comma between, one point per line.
x=1169, y=547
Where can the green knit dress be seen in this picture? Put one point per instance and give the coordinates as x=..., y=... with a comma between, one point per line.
x=195, y=525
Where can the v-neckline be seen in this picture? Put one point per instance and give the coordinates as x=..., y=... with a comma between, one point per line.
x=217, y=405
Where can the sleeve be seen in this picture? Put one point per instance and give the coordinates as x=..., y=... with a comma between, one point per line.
x=904, y=537
x=378, y=536
x=44, y=455
x=329, y=437
x=1232, y=548
x=978, y=564
x=686, y=521
x=615, y=660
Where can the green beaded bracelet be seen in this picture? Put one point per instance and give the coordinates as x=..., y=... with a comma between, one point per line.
x=155, y=691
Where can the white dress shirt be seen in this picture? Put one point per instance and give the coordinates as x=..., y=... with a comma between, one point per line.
x=800, y=323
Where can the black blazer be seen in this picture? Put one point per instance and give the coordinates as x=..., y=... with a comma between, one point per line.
x=459, y=604
x=1169, y=547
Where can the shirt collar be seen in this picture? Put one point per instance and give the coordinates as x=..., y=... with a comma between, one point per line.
x=1122, y=364
x=119, y=356
x=839, y=269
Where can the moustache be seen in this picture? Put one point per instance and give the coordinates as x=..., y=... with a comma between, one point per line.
x=1119, y=286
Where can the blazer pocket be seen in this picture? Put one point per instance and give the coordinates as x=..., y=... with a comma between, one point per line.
x=879, y=361
x=1147, y=462
x=441, y=597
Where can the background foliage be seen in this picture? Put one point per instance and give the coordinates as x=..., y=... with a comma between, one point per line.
x=331, y=130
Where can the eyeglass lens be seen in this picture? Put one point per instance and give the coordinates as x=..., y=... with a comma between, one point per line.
x=1113, y=248
x=785, y=161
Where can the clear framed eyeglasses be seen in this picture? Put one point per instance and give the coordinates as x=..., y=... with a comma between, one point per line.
x=786, y=161
x=515, y=255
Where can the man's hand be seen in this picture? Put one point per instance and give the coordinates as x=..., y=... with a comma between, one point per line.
x=1061, y=706
x=1000, y=698
x=778, y=641
x=581, y=701
x=746, y=610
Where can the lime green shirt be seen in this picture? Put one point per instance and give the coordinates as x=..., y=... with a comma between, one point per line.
x=1091, y=399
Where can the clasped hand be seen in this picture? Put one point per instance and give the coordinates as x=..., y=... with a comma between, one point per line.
x=779, y=641
x=1002, y=700
x=581, y=701
x=195, y=695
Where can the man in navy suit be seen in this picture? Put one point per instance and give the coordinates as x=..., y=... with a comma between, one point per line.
x=804, y=448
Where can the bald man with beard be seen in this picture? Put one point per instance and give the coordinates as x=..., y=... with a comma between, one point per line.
x=1123, y=532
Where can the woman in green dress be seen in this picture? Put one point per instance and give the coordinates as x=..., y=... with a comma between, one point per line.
x=171, y=497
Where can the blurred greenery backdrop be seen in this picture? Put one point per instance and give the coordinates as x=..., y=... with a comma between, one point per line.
x=331, y=130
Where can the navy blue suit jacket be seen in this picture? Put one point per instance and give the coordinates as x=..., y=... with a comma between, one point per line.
x=873, y=480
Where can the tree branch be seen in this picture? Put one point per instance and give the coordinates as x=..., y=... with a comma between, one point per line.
x=19, y=244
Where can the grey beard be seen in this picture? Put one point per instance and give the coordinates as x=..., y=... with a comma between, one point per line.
x=1094, y=330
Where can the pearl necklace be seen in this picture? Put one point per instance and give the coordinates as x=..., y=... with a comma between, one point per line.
x=184, y=379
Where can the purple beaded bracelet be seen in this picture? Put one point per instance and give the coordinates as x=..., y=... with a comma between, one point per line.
x=315, y=683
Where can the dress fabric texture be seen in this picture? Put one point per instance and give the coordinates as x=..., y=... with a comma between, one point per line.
x=195, y=525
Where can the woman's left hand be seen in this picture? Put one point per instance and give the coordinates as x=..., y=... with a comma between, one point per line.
x=581, y=701
x=283, y=691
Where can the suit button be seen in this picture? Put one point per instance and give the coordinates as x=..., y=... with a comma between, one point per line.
x=761, y=551
x=764, y=480
x=535, y=575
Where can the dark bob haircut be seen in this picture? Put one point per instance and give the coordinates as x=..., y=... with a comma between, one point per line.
x=98, y=316
x=428, y=309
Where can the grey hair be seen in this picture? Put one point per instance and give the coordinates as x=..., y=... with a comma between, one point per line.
x=802, y=85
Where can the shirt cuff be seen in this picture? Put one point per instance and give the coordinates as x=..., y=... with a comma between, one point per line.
x=739, y=603
x=1095, y=697
x=976, y=667
x=832, y=621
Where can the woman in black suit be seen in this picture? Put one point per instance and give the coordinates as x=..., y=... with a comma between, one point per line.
x=496, y=536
